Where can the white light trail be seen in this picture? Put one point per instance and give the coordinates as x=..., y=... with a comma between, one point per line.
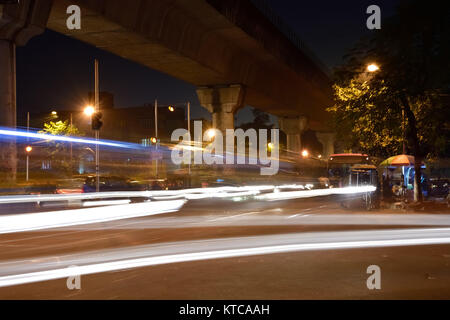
x=64, y=218
x=42, y=136
x=105, y=203
x=313, y=193
x=187, y=251
x=195, y=193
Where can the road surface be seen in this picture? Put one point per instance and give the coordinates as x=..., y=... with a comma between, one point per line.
x=305, y=248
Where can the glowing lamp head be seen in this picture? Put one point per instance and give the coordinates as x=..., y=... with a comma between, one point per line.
x=211, y=133
x=171, y=109
x=270, y=146
x=372, y=67
x=319, y=156
x=54, y=113
x=89, y=110
x=28, y=149
x=153, y=140
x=305, y=153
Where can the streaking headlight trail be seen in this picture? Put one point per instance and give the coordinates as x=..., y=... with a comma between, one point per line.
x=65, y=218
x=314, y=193
x=16, y=273
x=42, y=136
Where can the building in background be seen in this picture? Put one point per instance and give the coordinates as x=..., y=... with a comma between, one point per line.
x=131, y=124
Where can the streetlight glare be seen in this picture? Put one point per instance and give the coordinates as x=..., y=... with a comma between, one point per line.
x=171, y=109
x=372, y=67
x=211, y=133
x=28, y=149
x=305, y=153
x=54, y=113
x=89, y=110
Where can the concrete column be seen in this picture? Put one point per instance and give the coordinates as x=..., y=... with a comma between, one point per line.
x=8, y=153
x=18, y=24
x=293, y=127
x=327, y=140
x=222, y=102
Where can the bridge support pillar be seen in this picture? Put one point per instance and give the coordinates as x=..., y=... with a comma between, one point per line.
x=222, y=102
x=8, y=152
x=18, y=24
x=327, y=140
x=293, y=127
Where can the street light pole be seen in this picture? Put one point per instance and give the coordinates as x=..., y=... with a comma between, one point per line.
x=156, y=118
x=156, y=136
x=71, y=148
x=97, y=132
x=189, y=130
x=28, y=157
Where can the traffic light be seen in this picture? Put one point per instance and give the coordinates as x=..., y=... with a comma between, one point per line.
x=96, y=121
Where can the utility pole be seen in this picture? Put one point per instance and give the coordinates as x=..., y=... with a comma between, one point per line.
x=190, y=143
x=97, y=132
x=71, y=149
x=156, y=136
x=28, y=157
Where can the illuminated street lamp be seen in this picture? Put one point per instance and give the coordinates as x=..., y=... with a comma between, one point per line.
x=270, y=146
x=305, y=153
x=89, y=110
x=153, y=140
x=28, y=149
x=171, y=109
x=373, y=67
x=211, y=133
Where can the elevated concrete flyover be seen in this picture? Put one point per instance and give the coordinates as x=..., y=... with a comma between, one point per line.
x=229, y=49
x=209, y=43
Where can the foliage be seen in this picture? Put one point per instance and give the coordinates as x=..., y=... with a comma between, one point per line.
x=411, y=88
x=57, y=150
x=60, y=128
x=412, y=50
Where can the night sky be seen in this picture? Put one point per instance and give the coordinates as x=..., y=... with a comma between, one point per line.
x=55, y=72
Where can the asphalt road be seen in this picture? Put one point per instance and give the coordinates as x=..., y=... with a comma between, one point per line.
x=308, y=248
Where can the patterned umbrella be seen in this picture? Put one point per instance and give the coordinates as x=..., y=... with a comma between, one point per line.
x=398, y=161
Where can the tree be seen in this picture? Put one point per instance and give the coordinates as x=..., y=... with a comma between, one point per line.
x=409, y=89
x=57, y=150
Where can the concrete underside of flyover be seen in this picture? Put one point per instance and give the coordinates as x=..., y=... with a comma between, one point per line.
x=228, y=49
x=196, y=41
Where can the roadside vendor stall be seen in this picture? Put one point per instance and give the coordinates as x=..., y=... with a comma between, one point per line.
x=399, y=174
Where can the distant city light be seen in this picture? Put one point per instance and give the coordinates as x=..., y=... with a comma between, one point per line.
x=319, y=156
x=270, y=146
x=171, y=109
x=153, y=140
x=28, y=149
